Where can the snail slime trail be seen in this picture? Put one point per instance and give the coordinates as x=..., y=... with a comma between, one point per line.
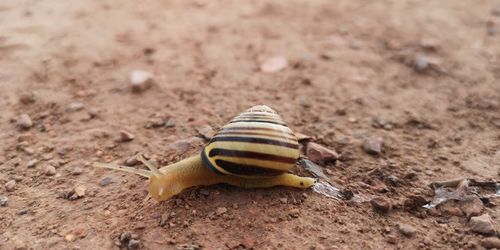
x=256, y=149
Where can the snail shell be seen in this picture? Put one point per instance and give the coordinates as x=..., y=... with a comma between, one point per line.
x=256, y=143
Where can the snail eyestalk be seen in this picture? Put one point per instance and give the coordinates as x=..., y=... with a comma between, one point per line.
x=148, y=164
x=113, y=166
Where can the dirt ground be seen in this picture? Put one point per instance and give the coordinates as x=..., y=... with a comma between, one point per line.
x=422, y=76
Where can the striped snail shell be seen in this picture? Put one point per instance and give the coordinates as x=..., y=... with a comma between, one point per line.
x=256, y=143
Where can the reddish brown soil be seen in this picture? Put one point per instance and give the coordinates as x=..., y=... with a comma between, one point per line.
x=350, y=62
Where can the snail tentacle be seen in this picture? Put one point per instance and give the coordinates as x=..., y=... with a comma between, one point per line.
x=148, y=164
x=114, y=166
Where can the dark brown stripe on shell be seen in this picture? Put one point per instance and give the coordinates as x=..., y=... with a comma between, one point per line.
x=255, y=140
x=251, y=155
x=275, y=117
x=278, y=136
x=258, y=128
x=241, y=169
x=257, y=118
x=265, y=121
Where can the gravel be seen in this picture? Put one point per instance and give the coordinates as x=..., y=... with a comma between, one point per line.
x=49, y=170
x=372, y=146
x=140, y=80
x=10, y=185
x=320, y=154
x=381, y=204
x=75, y=106
x=491, y=242
x=407, y=230
x=32, y=163
x=482, y=224
x=221, y=210
x=24, y=122
x=4, y=200
x=126, y=136
x=76, y=171
x=106, y=181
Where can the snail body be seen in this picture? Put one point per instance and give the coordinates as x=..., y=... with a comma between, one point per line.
x=255, y=149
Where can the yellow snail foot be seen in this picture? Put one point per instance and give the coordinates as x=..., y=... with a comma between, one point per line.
x=289, y=180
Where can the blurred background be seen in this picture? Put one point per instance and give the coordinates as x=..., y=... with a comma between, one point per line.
x=399, y=89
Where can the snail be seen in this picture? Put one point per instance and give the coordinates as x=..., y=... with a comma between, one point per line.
x=256, y=149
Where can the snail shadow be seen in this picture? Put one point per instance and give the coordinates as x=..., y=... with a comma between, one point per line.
x=208, y=199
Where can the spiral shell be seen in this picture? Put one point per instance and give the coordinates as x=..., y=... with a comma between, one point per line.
x=256, y=143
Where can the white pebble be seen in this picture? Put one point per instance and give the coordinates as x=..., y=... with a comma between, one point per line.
x=49, y=170
x=24, y=121
x=140, y=80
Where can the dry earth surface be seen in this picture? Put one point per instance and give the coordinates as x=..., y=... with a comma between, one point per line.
x=420, y=77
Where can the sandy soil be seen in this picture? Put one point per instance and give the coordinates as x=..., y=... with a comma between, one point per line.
x=423, y=76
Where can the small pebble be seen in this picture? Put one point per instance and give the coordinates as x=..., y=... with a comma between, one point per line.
x=391, y=239
x=283, y=200
x=496, y=11
x=393, y=179
x=106, y=181
x=420, y=63
x=17, y=178
x=133, y=244
x=126, y=136
x=156, y=122
x=294, y=213
x=49, y=170
x=492, y=30
x=274, y=64
x=4, y=200
x=206, y=132
x=312, y=168
x=75, y=106
x=381, y=204
x=221, y=210
x=407, y=230
x=491, y=242
x=453, y=211
x=482, y=224
x=27, y=98
x=30, y=138
x=93, y=113
x=77, y=171
x=430, y=44
x=80, y=191
x=32, y=163
x=47, y=156
x=24, y=122
x=64, y=150
x=29, y=150
x=302, y=137
x=372, y=146
x=125, y=237
x=320, y=154
x=131, y=161
x=472, y=207
x=70, y=237
x=23, y=211
x=10, y=185
x=170, y=123
x=140, y=80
